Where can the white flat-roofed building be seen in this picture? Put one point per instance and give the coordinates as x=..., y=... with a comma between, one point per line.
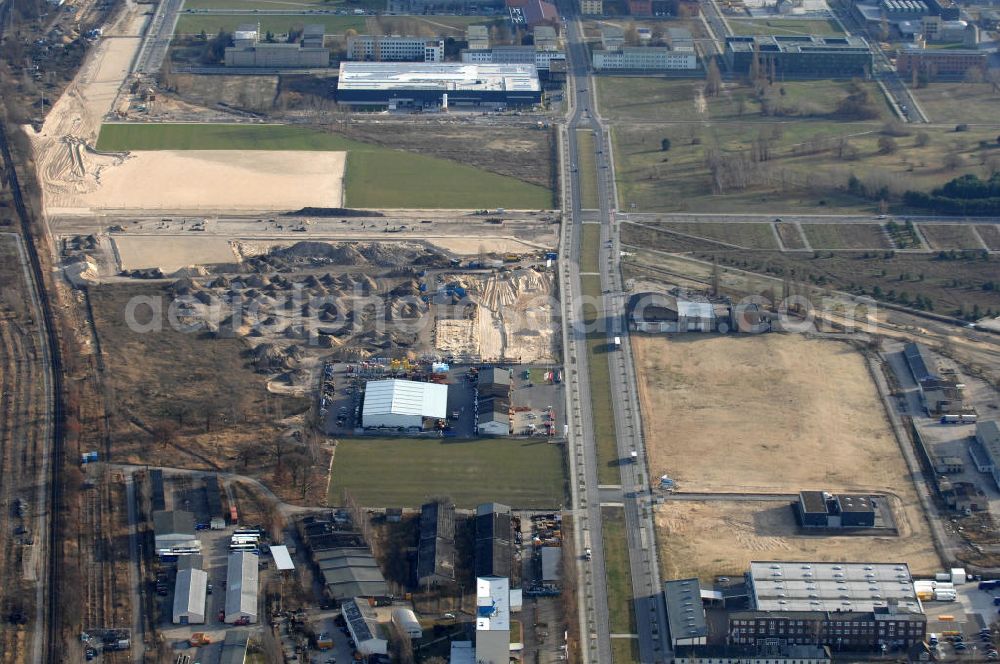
x=494, y=603
x=241, y=587
x=831, y=587
x=394, y=48
x=190, y=591
x=437, y=84
x=644, y=58
x=398, y=403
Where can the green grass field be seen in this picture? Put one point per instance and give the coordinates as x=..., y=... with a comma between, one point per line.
x=193, y=24
x=404, y=472
x=590, y=240
x=625, y=651
x=601, y=409
x=290, y=5
x=376, y=176
x=619, y=576
x=786, y=26
x=381, y=178
x=587, y=168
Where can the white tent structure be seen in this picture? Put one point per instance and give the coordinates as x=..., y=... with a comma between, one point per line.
x=396, y=403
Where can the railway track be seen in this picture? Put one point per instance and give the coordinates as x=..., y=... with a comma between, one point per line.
x=46, y=645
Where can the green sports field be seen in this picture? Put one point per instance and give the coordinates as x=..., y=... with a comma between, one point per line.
x=193, y=24
x=376, y=177
x=405, y=472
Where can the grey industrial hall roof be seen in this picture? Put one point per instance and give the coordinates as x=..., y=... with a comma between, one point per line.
x=190, y=590
x=852, y=502
x=845, y=587
x=494, y=535
x=685, y=613
x=988, y=436
x=813, y=502
x=440, y=77
x=173, y=522
x=405, y=397
x=241, y=583
x=436, y=548
x=551, y=556
x=494, y=376
x=920, y=361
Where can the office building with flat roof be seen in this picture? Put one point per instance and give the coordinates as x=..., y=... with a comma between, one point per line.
x=800, y=55
x=394, y=48
x=644, y=58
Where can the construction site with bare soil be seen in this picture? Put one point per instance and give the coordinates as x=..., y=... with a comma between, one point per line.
x=255, y=330
x=759, y=418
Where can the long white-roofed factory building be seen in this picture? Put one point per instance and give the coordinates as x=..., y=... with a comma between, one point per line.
x=439, y=84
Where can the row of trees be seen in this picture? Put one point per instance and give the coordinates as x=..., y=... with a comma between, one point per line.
x=965, y=195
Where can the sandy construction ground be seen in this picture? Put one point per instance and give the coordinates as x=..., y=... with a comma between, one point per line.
x=711, y=538
x=767, y=413
x=773, y=412
x=173, y=253
x=63, y=163
x=516, y=319
x=228, y=180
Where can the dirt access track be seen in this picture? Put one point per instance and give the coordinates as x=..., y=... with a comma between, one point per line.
x=76, y=179
x=773, y=413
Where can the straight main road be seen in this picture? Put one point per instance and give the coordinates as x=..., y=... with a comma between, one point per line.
x=650, y=613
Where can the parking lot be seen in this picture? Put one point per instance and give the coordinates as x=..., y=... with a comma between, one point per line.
x=962, y=635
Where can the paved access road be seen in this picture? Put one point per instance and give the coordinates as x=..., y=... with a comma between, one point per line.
x=635, y=493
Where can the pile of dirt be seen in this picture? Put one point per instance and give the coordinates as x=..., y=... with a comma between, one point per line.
x=351, y=254
x=270, y=358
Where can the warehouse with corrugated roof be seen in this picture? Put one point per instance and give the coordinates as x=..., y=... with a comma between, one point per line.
x=190, y=590
x=241, y=587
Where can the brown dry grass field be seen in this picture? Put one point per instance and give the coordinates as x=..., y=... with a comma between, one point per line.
x=709, y=538
x=949, y=236
x=990, y=235
x=767, y=413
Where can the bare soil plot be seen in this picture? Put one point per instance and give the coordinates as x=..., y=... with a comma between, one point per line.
x=749, y=235
x=774, y=412
x=990, y=235
x=201, y=180
x=138, y=252
x=790, y=235
x=949, y=236
x=710, y=538
x=846, y=236
x=766, y=413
